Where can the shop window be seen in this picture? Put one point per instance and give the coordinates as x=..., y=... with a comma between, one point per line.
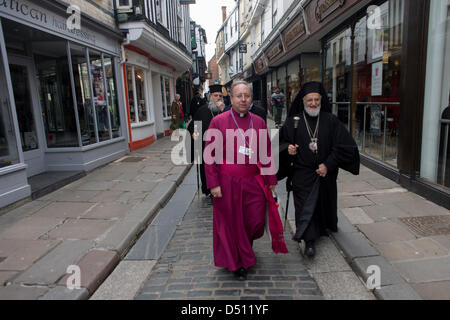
x=24, y=107
x=293, y=84
x=435, y=158
x=56, y=95
x=83, y=94
x=99, y=94
x=137, y=94
x=113, y=101
x=131, y=94
x=371, y=110
x=140, y=94
x=166, y=97
x=8, y=144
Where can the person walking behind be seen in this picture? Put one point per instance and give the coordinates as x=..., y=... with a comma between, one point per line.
x=278, y=103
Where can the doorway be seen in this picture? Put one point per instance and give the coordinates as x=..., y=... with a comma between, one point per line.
x=27, y=108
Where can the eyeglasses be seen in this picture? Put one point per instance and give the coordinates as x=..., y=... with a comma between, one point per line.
x=240, y=96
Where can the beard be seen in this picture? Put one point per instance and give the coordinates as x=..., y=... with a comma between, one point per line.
x=313, y=112
x=213, y=106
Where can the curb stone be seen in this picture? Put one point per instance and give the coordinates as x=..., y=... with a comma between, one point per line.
x=360, y=254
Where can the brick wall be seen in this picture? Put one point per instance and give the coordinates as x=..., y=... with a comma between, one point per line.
x=214, y=69
x=101, y=10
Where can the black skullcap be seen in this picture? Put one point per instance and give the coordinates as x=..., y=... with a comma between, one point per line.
x=215, y=88
x=310, y=87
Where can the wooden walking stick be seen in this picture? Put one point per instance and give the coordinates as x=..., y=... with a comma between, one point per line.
x=288, y=187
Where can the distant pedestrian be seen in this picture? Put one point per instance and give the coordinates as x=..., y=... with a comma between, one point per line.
x=177, y=114
x=317, y=144
x=196, y=103
x=278, y=106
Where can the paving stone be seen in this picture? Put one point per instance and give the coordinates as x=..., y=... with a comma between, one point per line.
x=413, y=249
x=421, y=207
x=82, y=229
x=356, y=201
x=20, y=254
x=31, y=228
x=356, y=216
x=107, y=196
x=381, y=213
x=54, y=264
x=107, y=211
x=396, y=292
x=63, y=293
x=433, y=290
x=67, y=195
x=425, y=270
x=17, y=292
x=382, y=232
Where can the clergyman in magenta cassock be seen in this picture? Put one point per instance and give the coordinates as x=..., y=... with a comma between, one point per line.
x=241, y=180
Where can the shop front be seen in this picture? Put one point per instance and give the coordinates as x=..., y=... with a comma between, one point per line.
x=61, y=108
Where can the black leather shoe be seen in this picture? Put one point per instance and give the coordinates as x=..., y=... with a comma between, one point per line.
x=310, y=250
x=241, y=274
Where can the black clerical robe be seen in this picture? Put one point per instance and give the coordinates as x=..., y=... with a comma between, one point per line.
x=315, y=198
x=203, y=115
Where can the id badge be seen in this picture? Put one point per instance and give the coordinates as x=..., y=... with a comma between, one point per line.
x=245, y=151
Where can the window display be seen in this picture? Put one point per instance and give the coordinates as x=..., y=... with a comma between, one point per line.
x=8, y=146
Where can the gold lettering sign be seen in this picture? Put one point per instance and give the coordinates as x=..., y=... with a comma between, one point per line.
x=295, y=32
x=326, y=7
x=275, y=50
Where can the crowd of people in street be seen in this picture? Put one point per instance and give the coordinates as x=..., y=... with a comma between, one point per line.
x=313, y=146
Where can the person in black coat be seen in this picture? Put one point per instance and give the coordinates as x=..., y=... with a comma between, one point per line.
x=310, y=157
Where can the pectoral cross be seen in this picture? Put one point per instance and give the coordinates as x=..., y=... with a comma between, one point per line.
x=313, y=145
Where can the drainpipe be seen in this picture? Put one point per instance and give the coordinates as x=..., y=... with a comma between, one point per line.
x=122, y=46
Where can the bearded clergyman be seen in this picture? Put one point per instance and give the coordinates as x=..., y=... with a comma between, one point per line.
x=204, y=115
x=314, y=144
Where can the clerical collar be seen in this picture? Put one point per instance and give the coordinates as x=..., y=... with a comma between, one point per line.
x=241, y=115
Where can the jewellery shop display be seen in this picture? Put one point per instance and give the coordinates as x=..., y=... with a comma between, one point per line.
x=313, y=146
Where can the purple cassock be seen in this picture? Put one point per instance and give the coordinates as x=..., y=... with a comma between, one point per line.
x=238, y=159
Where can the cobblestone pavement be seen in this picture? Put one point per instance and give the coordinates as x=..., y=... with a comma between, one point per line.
x=186, y=269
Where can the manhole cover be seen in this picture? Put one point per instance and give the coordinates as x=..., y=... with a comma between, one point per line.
x=133, y=159
x=428, y=226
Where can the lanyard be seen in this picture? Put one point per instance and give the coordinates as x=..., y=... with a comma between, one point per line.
x=239, y=129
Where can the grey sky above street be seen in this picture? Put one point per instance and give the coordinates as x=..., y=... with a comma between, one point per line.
x=208, y=14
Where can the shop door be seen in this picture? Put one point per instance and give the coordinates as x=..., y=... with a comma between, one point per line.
x=27, y=107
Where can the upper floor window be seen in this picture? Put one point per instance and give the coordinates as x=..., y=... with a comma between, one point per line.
x=274, y=12
x=161, y=10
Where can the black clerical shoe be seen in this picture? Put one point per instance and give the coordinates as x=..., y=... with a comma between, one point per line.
x=241, y=274
x=310, y=250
